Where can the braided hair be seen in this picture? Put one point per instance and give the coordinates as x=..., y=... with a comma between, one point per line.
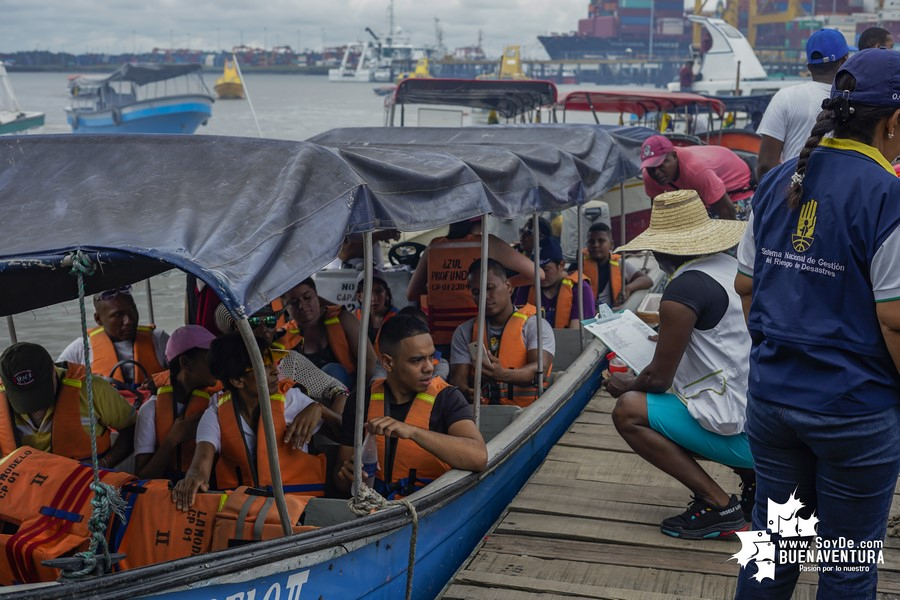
x=857, y=122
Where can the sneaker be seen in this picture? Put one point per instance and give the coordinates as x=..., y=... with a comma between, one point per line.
x=748, y=498
x=704, y=521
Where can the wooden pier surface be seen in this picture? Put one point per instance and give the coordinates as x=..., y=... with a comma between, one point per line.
x=586, y=526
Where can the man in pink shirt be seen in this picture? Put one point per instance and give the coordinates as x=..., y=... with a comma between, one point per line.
x=720, y=177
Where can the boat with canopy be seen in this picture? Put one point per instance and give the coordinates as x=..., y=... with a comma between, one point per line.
x=12, y=118
x=296, y=202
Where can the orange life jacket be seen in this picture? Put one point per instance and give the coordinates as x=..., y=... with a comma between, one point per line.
x=591, y=272
x=512, y=355
x=450, y=302
x=68, y=437
x=166, y=413
x=337, y=338
x=413, y=466
x=154, y=530
x=564, y=299
x=49, y=498
x=390, y=313
x=301, y=473
x=249, y=515
x=104, y=357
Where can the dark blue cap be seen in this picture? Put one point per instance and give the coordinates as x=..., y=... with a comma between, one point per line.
x=826, y=46
x=877, y=74
x=551, y=251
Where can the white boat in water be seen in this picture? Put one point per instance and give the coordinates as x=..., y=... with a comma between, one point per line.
x=730, y=66
x=12, y=118
x=381, y=60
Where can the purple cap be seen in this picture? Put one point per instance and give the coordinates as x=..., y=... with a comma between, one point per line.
x=654, y=151
x=877, y=74
x=187, y=338
x=826, y=46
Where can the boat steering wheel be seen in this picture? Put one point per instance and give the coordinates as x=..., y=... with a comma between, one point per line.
x=406, y=253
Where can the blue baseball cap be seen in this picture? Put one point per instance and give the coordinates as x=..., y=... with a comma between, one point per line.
x=826, y=46
x=877, y=75
x=551, y=251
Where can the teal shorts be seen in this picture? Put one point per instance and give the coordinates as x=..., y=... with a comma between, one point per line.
x=669, y=416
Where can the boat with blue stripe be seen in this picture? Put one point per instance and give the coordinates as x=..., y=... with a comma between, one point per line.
x=140, y=98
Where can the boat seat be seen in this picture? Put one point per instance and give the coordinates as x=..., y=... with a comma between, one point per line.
x=495, y=417
x=322, y=512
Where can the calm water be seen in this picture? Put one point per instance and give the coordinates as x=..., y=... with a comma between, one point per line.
x=291, y=107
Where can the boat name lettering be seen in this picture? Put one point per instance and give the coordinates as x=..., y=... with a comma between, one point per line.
x=195, y=534
x=348, y=285
x=293, y=587
x=9, y=474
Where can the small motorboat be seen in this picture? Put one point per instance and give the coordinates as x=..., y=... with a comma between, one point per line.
x=12, y=118
x=140, y=98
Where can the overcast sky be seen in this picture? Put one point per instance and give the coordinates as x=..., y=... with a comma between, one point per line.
x=120, y=26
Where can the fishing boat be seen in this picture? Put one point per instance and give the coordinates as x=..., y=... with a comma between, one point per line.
x=140, y=98
x=229, y=86
x=296, y=203
x=12, y=118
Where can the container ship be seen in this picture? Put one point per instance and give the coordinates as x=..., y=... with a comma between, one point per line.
x=642, y=29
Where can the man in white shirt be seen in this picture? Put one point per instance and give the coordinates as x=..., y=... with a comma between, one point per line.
x=791, y=114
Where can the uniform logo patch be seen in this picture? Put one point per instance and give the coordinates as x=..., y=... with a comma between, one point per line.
x=802, y=238
x=23, y=378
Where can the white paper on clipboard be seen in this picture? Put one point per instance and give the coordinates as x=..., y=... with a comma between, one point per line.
x=628, y=336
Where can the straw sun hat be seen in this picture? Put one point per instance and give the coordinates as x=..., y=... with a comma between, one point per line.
x=679, y=225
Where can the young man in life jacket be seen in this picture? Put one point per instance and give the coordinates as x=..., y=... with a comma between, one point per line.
x=230, y=433
x=559, y=290
x=605, y=270
x=510, y=365
x=119, y=337
x=45, y=406
x=166, y=428
x=423, y=426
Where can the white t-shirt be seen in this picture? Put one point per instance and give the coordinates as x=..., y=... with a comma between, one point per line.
x=74, y=353
x=459, y=345
x=791, y=115
x=208, y=430
x=145, y=429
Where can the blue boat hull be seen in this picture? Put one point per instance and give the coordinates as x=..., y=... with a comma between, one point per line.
x=376, y=567
x=162, y=115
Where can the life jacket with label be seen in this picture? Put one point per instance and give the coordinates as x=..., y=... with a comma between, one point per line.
x=337, y=338
x=302, y=473
x=154, y=530
x=512, y=355
x=390, y=313
x=49, y=498
x=450, y=302
x=69, y=437
x=564, y=299
x=591, y=272
x=104, y=357
x=167, y=412
x=250, y=515
x=413, y=466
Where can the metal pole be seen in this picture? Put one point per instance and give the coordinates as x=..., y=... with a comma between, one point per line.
x=265, y=411
x=361, y=382
x=12, y=330
x=149, y=301
x=652, y=27
x=237, y=65
x=536, y=228
x=580, y=260
x=481, y=319
x=622, y=239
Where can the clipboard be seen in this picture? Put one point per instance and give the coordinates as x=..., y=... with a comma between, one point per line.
x=627, y=335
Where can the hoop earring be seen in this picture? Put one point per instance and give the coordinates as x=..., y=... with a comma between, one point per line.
x=890, y=135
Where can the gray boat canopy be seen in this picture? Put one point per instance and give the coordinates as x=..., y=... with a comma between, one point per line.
x=253, y=217
x=509, y=98
x=140, y=74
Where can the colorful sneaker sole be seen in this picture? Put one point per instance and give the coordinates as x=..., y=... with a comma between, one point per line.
x=721, y=530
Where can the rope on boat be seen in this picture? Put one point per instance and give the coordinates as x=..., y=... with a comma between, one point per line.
x=368, y=501
x=106, y=501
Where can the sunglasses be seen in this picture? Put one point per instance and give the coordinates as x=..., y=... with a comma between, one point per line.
x=110, y=294
x=269, y=321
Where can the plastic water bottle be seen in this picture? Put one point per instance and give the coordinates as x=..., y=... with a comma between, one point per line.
x=370, y=460
x=616, y=364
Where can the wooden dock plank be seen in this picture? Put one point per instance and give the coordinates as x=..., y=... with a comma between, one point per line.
x=586, y=526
